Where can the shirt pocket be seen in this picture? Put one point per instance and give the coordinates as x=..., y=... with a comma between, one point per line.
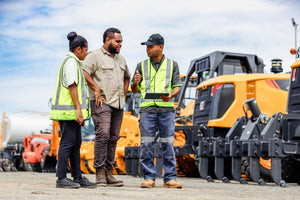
x=106, y=70
x=107, y=67
x=122, y=67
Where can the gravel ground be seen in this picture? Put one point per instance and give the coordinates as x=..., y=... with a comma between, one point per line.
x=31, y=185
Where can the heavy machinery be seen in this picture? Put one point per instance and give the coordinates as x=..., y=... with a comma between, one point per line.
x=265, y=136
x=216, y=118
x=41, y=150
x=276, y=138
x=14, y=127
x=215, y=134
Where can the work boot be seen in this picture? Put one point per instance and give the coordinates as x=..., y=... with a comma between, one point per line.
x=173, y=184
x=100, y=177
x=84, y=182
x=66, y=183
x=111, y=181
x=148, y=183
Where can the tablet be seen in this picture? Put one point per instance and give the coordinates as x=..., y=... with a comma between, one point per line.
x=152, y=95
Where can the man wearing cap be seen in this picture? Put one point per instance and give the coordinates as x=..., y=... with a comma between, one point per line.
x=157, y=74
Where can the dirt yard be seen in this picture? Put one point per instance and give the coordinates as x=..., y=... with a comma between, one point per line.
x=31, y=185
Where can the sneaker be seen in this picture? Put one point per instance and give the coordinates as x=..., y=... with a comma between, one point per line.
x=66, y=183
x=84, y=182
x=173, y=184
x=148, y=183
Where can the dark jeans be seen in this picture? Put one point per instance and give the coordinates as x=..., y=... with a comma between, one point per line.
x=166, y=127
x=69, y=148
x=107, y=121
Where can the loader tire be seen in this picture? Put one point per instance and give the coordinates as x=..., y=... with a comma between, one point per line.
x=6, y=168
x=36, y=167
x=265, y=169
x=265, y=173
x=186, y=166
x=290, y=169
x=28, y=167
x=14, y=169
x=245, y=168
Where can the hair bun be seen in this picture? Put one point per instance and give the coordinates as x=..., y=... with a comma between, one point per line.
x=71, y=36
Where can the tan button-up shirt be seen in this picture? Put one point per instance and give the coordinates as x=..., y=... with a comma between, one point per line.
x=108, y=72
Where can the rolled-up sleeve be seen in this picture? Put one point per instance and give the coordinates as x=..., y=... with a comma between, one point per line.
x=88, y=63
x=127, y=73
x=176, y=81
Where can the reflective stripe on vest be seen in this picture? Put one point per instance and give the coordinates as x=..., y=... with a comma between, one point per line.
x=148, y=83
x=68, y=112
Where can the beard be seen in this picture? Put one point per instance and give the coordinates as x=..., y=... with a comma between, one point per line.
x=112, y=49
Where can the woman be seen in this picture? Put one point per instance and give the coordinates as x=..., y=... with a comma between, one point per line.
x=70, y=106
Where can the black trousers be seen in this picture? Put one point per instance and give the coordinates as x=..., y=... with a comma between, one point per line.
x=69, y=148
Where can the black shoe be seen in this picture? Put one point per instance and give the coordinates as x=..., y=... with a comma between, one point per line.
x=66, y=183
x=84, y=182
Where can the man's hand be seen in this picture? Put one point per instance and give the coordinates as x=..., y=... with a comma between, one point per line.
x=137, y=77
x=136, y=80
x=165, y=98
x=99, y=99
x=91, y=83
x=174, y=92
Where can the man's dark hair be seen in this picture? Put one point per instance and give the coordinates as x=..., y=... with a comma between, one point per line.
x=110, y=33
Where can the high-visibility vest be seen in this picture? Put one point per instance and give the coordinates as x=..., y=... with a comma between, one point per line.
x=62, y=104
x=156, y=81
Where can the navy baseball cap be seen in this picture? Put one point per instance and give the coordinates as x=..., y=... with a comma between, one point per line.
x=154, y=39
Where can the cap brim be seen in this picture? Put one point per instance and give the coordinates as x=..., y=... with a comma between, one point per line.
x=147, y=43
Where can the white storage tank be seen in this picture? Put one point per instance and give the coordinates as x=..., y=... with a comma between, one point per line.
x=17, y=125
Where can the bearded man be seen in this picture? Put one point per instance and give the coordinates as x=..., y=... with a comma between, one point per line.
x=108, y=78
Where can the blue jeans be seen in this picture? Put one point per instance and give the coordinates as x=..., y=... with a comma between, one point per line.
x=166, y=126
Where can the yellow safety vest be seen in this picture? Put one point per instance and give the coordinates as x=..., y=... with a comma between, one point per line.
x=62, y=104
x=157, y=82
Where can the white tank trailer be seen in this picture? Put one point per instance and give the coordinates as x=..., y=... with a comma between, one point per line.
x=14, y=127
x=17, y=125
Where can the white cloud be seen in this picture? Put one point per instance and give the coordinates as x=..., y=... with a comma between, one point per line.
x=34, y=36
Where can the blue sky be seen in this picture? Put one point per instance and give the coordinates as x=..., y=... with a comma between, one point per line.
x=33, y=36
